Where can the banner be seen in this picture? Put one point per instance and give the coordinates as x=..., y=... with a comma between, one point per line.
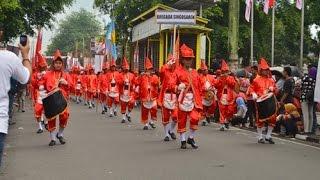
x=299, y=4
x=248, y=9
x=176, y=17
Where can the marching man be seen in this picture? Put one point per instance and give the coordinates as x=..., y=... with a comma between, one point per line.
x=113, y=89
x=91, y=86
x=189, y=99
x=103, y=87
x=57, y=78
x=168, y=100
x=208, y=94
x=127, y=86
x=260, y=86
x=78, y=83
x=148, y=86
x=226, y=95
x=40, y=92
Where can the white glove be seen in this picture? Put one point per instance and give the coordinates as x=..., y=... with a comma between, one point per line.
x=254, y=96
x=63, y=81
x=181, y=86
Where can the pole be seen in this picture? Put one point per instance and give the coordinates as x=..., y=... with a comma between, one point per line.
x=272, y=48
x=251, y=46
x=174, y=40
x=302, y=35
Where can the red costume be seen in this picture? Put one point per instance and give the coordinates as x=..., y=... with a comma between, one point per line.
x=127, y=87
x=149, y=86
x=52, y=80
x=226, y=95
x=114, y=80
x=190, y=102
x=92, y=85
x=103, y=84
x=207, y=84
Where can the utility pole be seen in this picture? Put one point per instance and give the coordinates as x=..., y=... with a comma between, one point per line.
x=234, y=7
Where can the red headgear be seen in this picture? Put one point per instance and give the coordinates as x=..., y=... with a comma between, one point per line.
x=57, y=55
x=42, y=62
x=148, y=64
x=203, y=65
x=224, y=66
x=186, y=52
x=263, y=64
x=125, y=64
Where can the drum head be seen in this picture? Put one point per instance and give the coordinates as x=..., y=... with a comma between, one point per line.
x=264, y=97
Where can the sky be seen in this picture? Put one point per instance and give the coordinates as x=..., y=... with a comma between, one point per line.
x=76, y=6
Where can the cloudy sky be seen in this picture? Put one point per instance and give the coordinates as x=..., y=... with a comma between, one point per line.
x=76, y=6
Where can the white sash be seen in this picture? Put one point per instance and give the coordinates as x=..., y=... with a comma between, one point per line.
x=187, y=104
x=170, y=101
x=150, y=104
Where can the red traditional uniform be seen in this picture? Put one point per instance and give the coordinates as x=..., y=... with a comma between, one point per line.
x=226, y=95
x=113, y=78
x=37, y=82
x=207, y=84
x=168, y=100
x=103, y=86
x=92, y=84
x=149, y=86
x=58, y=79
x=190, y=102
x=78, y=86
x=127, y=87
x=260, y=86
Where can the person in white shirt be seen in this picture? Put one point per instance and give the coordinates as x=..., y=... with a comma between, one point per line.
x=10, y=66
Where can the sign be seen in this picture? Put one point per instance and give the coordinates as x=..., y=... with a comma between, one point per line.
x=176, y=17
x=145, y=29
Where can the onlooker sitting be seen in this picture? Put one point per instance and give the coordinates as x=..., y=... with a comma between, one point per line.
x=289, y=123
x=241, y=116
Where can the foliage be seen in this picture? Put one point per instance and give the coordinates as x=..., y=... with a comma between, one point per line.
x=23, y=16
x=76, y=30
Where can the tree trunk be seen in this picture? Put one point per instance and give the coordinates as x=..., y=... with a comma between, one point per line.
x=234, y=6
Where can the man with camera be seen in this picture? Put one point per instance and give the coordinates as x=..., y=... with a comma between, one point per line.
x=11, y=66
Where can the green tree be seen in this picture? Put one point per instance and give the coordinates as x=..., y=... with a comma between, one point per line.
x=76, y=30
x=23, y=16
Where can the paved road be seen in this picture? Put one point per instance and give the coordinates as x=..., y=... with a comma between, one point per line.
x=102, y=148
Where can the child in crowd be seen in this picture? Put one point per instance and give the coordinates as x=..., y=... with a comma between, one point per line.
x=290, y=122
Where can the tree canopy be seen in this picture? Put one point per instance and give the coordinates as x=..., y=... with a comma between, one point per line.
x=287, y=27
x=75, y=30
x=23, y=16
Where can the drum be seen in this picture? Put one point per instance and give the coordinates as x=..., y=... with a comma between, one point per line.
x=266, y=106
x=54, y=103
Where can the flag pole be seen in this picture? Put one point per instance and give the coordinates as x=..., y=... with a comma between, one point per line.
x=174, y=39
x=272, y=48
x=251, y=45
x=302, y=35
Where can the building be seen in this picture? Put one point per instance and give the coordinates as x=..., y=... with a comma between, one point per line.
x=156, y=41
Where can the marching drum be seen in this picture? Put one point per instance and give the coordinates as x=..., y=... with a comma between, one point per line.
x=54, y=103
x=266, y=106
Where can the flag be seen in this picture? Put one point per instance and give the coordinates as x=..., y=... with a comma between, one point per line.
x=136, y=56
x=248, y=9
x=267, y=5
x=38, y=47
x=299, y=4
x=111, y=46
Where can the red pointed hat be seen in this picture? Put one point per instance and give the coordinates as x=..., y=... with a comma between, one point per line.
x=263, y=64
x=224, y=66
x=186, y=52
x=113, y=62
x=57, y=55
x=148, y=63
x=125, y=64
x=42, y=62
x=203, y=65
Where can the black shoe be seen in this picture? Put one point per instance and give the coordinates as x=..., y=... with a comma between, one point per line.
x=183, y=145
x=270, y=140
x=261, y=141
x=85, y=104
x=111, y=115
x=46, y=126
x=103, y=112
x=204, y=123
x=90, y=107
x=129, y=118
x=115, y=113
x=123, y=121
x=52, y=143
x=166, y=138
x=39, y=131
x=172, y=135
x=61, y=139
x=192, y=143
x=23, y=111
x=145, y=128
x=152, y=125
x=208, y=119
x=227, y=125
x=93, y=105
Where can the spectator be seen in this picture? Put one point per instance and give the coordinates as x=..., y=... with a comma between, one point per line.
x=10, y=66
x=307, y=101
x=288, y=87
x=240, y=117
x=289, y=120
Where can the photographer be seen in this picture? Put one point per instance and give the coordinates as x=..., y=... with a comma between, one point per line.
x=10, y=66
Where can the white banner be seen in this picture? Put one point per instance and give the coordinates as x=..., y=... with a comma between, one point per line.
x=317, y=89
x=176, y=17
